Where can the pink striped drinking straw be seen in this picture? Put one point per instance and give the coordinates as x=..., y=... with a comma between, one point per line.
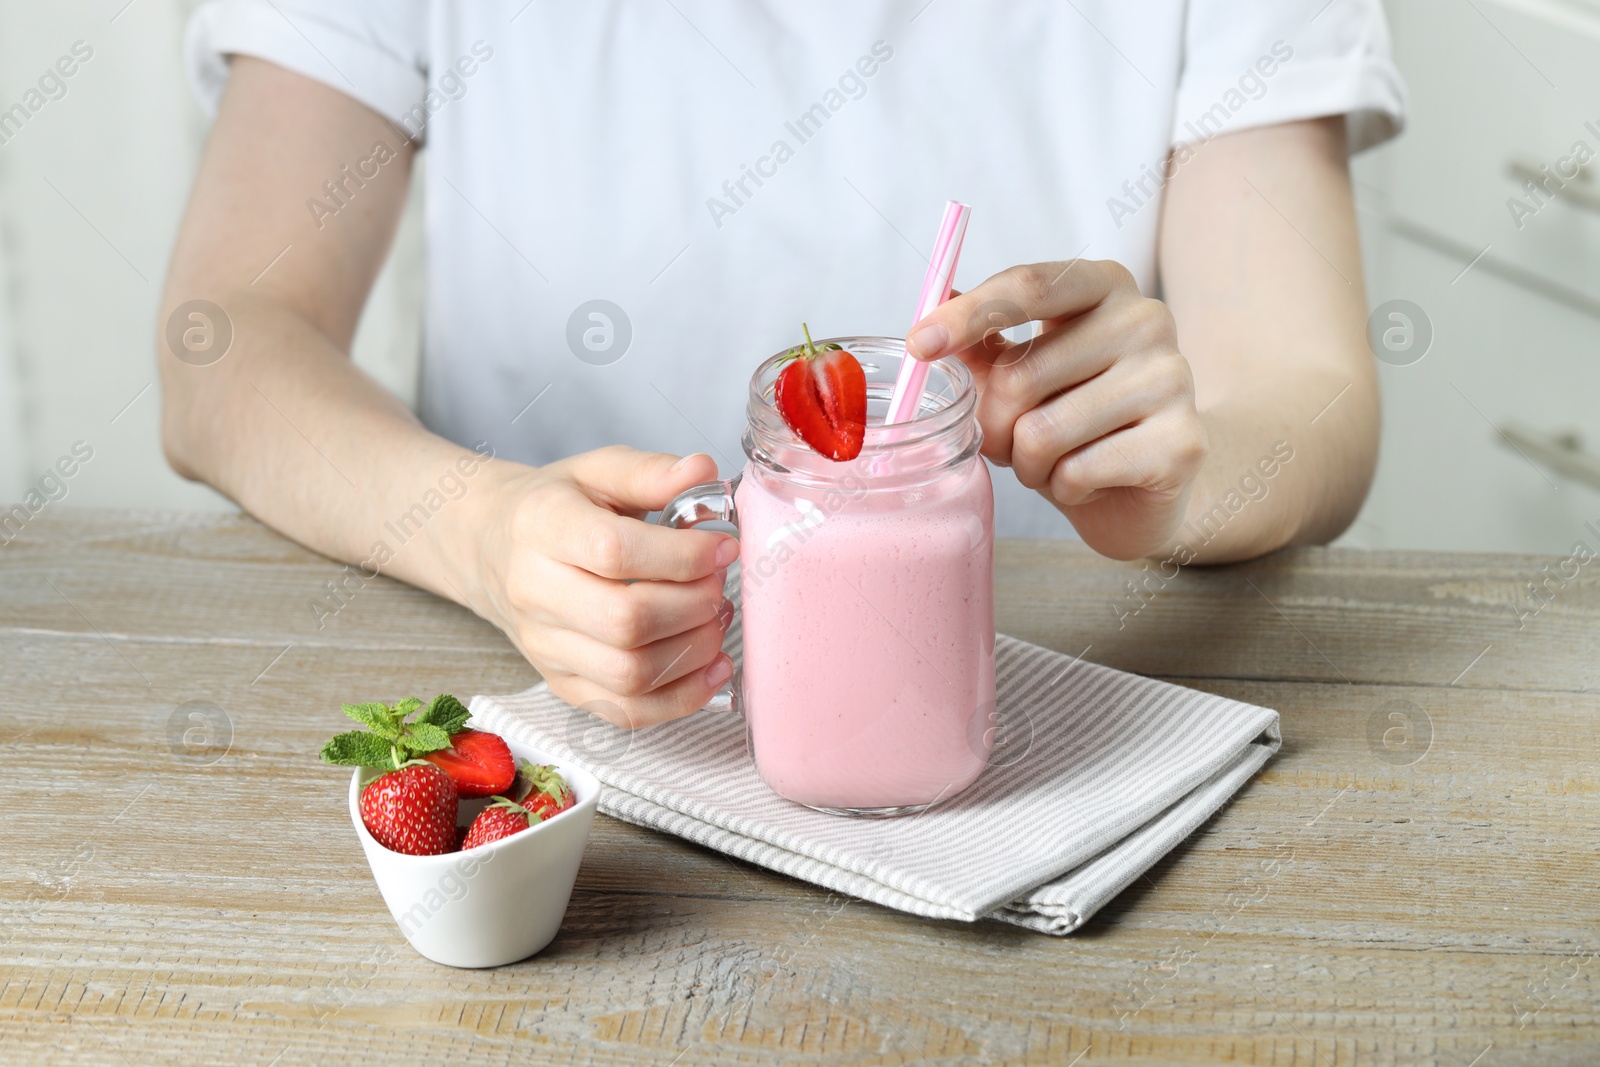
x=907, y=397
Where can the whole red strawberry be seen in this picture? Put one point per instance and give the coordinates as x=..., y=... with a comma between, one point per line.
x=479, y=761
x=412, y=810
x=542, y=790
x=822, y=396
x=501, y=818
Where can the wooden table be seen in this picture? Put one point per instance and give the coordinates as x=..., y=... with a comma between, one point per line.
x=1434, y=815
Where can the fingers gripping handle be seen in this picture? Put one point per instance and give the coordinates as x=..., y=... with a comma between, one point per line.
x=709, y=502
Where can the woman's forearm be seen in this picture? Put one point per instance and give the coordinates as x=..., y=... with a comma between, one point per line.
x=308, y=443
x=1261, y=264
x=1285, y=468
x=282, y=421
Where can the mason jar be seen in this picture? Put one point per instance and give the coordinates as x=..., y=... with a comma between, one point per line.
x=867, y=596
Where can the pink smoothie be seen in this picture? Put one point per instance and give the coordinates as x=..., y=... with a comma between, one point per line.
x=868, y=638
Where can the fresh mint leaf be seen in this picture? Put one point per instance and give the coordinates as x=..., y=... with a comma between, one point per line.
x=375, y=717
x=447, y=713
x=425, y=737
x=358, y=749
x=406, y=707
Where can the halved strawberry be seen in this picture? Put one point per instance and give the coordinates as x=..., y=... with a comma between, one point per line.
x=480, y=763
x=822, y=396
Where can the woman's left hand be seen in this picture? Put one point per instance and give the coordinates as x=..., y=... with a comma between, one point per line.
x=1097, y=412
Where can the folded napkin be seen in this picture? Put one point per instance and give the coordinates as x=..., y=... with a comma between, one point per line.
x=1103, y=773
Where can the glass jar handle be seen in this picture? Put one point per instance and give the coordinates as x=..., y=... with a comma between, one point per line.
x=708, y=502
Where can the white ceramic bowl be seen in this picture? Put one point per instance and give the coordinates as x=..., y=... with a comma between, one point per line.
x=492, y=905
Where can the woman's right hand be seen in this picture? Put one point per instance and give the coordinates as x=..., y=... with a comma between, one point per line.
x=546, y=554
x=623, y=618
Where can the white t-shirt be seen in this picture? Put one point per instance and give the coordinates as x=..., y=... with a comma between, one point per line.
x=722, y=170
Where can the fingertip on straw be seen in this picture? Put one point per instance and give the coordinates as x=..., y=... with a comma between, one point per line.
x=928, y=343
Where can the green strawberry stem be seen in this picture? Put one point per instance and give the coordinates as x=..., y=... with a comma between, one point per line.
x=809, y=350
x=513, y=806
x=542, y=778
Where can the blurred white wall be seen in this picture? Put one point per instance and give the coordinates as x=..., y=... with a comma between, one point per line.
x=13, y=460
x=91, y=190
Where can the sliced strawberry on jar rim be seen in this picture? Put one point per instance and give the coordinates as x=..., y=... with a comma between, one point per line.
x=822, y=396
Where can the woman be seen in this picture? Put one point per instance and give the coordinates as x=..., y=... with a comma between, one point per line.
x=630, y=204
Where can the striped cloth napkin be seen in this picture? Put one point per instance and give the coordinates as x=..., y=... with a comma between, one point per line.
x=1102, y=773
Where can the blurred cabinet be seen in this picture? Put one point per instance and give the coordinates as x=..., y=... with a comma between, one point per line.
x=1486, y=214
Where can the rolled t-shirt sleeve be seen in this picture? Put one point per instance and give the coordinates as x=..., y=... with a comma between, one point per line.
x=372, y=50
x=1258, y=62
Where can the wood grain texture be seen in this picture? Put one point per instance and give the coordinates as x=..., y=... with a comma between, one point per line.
x=1351, y=906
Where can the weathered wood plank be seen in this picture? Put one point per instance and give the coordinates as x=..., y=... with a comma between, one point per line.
x=1349, y=906
x=1392, y=618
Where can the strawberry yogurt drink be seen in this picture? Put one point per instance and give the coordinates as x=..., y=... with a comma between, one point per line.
x=868, y=597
